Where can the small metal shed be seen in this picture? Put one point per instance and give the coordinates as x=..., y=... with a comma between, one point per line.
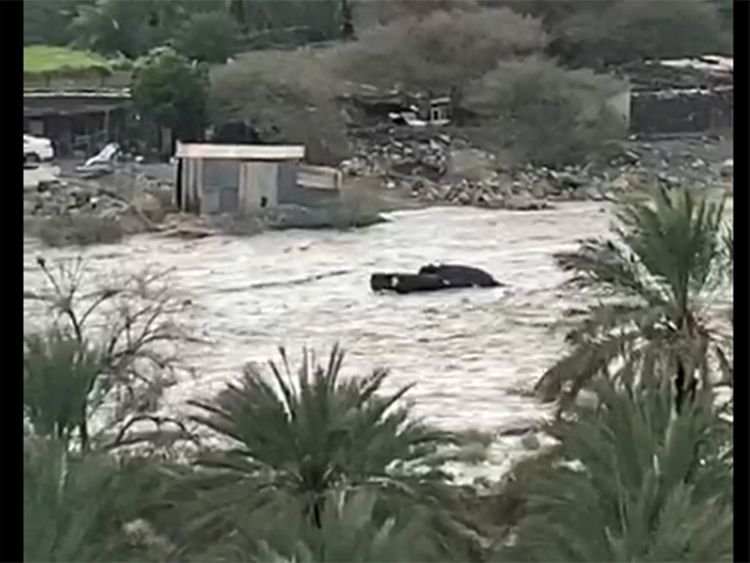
x=239, y=179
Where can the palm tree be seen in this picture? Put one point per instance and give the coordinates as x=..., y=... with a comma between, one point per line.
x=641, y=483
x=296, y=439
x=85, y=508
x=658, y=278
x=352, y=528
x=59, y=381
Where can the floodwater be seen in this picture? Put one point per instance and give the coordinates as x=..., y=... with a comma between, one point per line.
x=469, y=352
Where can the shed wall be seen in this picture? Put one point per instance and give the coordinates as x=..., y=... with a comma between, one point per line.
x=258, y=186
x=220, y=186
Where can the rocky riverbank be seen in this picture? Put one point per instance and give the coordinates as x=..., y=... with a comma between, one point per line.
x=62, y=208
x=447, y=170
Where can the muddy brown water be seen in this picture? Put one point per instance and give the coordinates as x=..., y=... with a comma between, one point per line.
x=469, y=352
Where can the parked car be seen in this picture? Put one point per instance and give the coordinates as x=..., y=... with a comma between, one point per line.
x=37, y=149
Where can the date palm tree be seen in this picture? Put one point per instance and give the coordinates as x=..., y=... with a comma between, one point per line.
x=657, y=282
x=297, y=438
x=642, y=484
x=83, y=508
x=352, y=528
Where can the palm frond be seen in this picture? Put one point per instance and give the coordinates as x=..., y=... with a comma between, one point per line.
x=306, y=434
x=657, y=273
x=642, y=475
x=78, y=508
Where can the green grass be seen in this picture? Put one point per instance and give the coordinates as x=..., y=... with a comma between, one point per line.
x=42, y=59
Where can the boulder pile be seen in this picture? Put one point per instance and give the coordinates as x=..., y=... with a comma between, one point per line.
x=138, y=205
x=447, y=170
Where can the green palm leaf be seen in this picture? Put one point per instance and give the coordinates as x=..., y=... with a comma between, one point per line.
x=642, y=477
x=78, y=508
x=300, y=436
x=656, y=280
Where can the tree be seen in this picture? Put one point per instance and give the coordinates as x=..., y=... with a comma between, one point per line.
x=658, y=276
x=643, y=484
x=171, y=92
x=124, y=27
x=352, y=528
x=544, y=113
x=633, y=31
x=440, y=51
x=208, y=36
x=47, y=22
x=285, y=97
x=98, y=384
x=298, y=438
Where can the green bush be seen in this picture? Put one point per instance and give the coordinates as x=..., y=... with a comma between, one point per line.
x=542, y=112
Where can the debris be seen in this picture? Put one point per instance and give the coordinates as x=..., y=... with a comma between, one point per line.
x=439, y=168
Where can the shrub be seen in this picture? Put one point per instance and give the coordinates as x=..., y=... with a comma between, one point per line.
x=543, y=112
x=210, y=36
x=367, y=14
x=287, y=96
x=439, y=51
x=96, y=382
x=123, y=27
x=79, y=230
x=631, y=31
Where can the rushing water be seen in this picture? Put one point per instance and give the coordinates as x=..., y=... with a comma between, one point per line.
x=468, y=351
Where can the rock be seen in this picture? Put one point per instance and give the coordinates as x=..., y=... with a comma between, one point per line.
x=471, y=164
x=518, y=427
x=538, y=191
x=530, y=441
x=570, y=180
x=149, y=205
x=593, y=194
x=619, y=184
x=525, y=203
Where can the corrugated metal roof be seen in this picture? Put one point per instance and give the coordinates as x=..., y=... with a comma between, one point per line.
x=240, y=152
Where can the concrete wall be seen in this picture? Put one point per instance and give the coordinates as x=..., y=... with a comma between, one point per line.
x=620, y=104
x=220, y=186
x=676, y=111
x=259, y=185
x=290, y=191
x=212, y=186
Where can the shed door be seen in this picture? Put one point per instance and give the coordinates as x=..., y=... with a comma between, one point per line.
x=259, y=185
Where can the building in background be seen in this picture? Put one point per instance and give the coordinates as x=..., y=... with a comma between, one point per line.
x=682, y=96
x=77, y=120
x=244, y=179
